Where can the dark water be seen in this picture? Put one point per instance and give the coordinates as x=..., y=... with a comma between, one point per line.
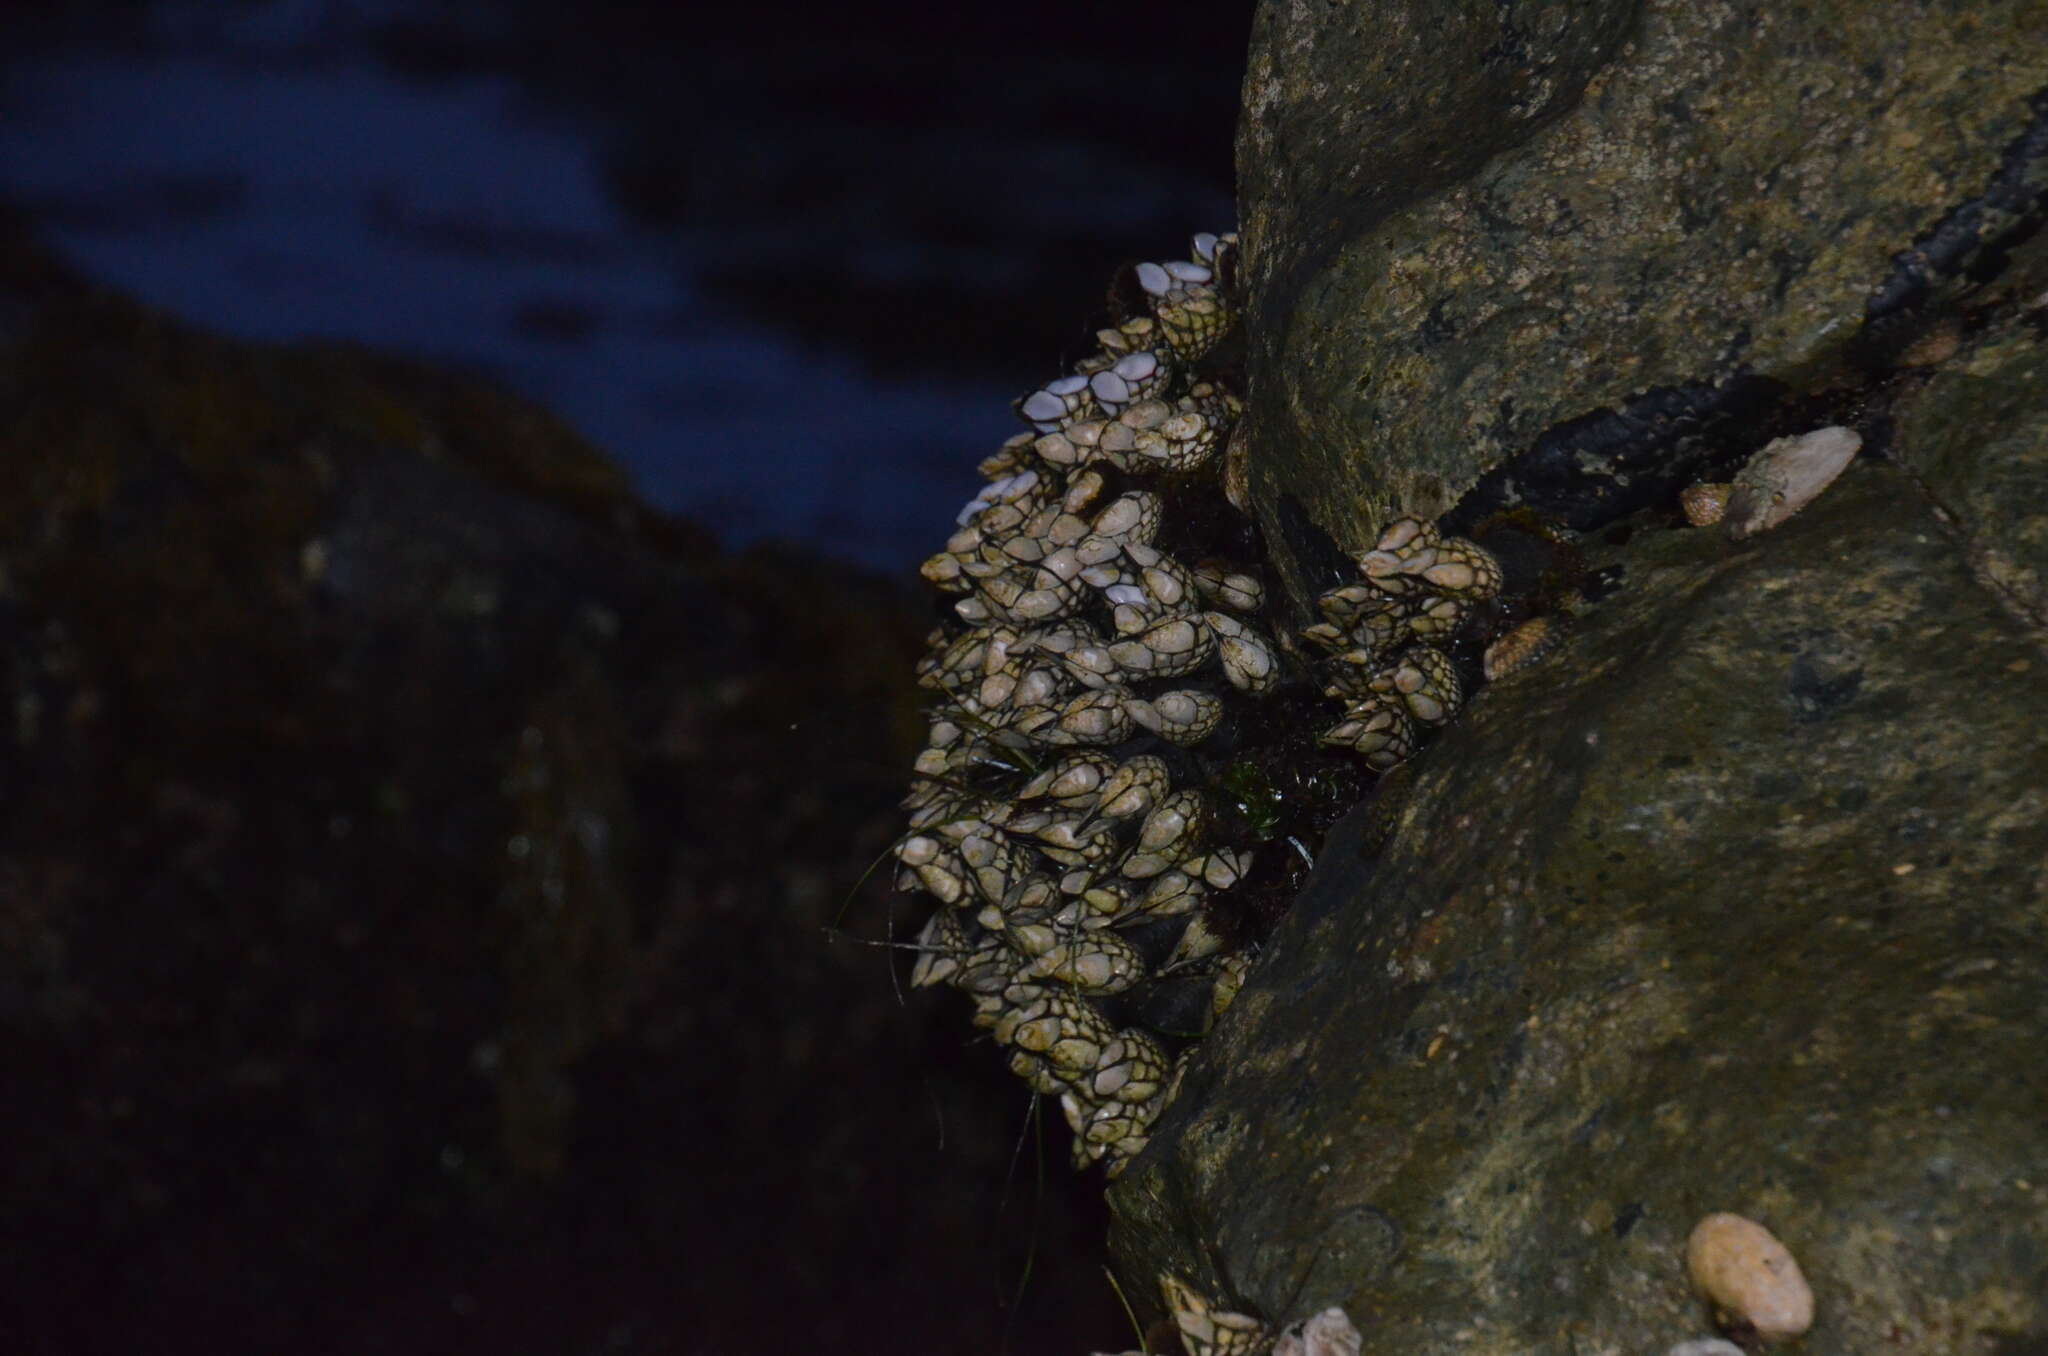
x=788, y=268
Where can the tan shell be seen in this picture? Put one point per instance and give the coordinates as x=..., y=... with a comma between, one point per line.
x=1785, y=477
x=1749, y=1276
x=1523, y=646
x=1706, y=503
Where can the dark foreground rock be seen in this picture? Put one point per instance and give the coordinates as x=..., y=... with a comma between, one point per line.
x=418, y=869
x=1737, y=901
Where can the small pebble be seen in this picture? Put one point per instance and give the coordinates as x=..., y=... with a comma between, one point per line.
x=1705, y=502
x=1706, y=1346
x=1749, y=1277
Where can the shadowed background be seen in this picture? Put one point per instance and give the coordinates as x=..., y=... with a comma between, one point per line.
x=465, y=467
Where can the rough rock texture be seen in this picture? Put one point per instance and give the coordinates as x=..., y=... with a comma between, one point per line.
x=1570, y=233
x=416, y=866
x=1738, y=899
x=1978, y=438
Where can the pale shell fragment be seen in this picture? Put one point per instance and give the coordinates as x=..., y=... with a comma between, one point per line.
x=1785, y=477
x=1329, y=1333
x=1749, y=1276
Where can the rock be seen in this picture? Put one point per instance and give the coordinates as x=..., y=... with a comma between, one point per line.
x=1737, y=898
x=1750, y=1278
x=1976, y=438
x=1705, y=1346
x=1739, y=895
x=412, y=892
x=1545, y=254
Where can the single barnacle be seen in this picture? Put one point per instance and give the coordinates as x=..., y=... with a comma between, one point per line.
x=1248, y=659
x=1463, y=569
x=1095, y=717
x=1376, y=730
x=1425, y=681
x=1097, y=962
x=1523, y=646
x=1404, y=551
x=1138, y=375
x=1135, y=786
x=1223, y=584
x=1188, y=300
x=1197, y=943
x=937, y=867
x=1230, y=973
x=1206, y=1330
x=990, y=862
x=1079, y=842
x=1351, y=673
x=942, y=946
x=1132, y=517
x=1171, y=832
x=1185, y=716
x=1173, y=893
x=1357, y=616
x=1223, y=867
x=1074, y=782
x=1167, y=649
x=1057, y=403
x=1706, y=503
x=1434, y=616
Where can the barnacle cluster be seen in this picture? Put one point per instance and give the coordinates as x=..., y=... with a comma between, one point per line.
x=1383, y=637
x=1084, y=792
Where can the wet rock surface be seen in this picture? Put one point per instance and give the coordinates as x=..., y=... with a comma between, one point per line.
x=1736, y=898
x=1738, y=901
x=420, y=867
x=1551, y=248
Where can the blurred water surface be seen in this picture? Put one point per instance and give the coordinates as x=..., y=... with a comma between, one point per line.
x=789, y=273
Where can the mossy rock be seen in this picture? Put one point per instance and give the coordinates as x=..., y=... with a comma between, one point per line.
x=1546, y=244
x=1735, y=901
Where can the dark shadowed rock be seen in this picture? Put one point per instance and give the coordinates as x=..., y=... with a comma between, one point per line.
x=420, y=866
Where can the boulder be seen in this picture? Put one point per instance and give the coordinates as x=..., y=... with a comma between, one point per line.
x=1737, y=899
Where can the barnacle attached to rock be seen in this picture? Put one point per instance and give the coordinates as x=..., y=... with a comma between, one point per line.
x=1523, y=646
x=1206, y=1330
x=1058, y=813
x=1092, y=789
x=1705, y=503
x=1383, y=637
x=1786, y=476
